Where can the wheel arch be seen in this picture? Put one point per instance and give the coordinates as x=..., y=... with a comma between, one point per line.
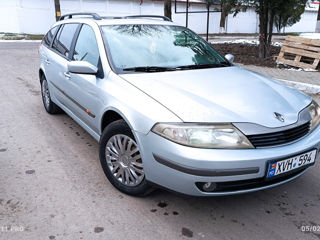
x=41, y=74
x=111, y=115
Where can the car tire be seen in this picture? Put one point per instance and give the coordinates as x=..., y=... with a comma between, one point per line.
x=50, y=106
x=121, y=160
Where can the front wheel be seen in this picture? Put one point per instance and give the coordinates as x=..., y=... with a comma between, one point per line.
x=121, y=160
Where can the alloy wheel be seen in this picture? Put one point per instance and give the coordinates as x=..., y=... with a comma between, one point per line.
x=124, y=160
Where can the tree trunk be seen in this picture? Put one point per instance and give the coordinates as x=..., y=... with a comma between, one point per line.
x=318, y=22
x=57, y=9
x=271, y=21
x=266, y=18
x=279, y=24
x=223, y=19
x=263, y=27
x=167, y=9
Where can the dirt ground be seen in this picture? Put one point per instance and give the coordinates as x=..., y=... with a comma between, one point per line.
x=52, y=185
x=248, y=54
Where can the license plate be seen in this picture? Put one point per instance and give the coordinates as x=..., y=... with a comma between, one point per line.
x=287, y=165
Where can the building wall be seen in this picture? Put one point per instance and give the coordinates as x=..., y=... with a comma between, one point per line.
x=307, y=23
x=36, y=16
x=244, y=22
x=9, y=20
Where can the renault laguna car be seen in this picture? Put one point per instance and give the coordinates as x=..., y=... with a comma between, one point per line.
x=170, y=111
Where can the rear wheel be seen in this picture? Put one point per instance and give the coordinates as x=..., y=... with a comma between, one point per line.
x=50, y=106
x=121, y=160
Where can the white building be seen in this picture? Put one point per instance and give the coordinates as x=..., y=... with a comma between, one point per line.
x=36, y=16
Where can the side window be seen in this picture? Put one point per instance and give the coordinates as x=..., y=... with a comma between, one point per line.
x=63, y=40
x=47, y=40
x=86, y=48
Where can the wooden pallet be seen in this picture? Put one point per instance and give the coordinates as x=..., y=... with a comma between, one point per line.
x=300, y=52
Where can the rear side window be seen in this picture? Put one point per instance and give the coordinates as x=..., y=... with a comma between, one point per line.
x=48, y=38
x=86, y=48
x=63, y=40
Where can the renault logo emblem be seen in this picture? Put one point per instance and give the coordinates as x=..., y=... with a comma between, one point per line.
x=278, y=116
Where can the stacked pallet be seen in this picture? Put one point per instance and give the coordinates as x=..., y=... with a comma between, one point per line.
x=300, y=52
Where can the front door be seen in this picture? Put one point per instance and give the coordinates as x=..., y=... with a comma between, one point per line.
x=84, y=89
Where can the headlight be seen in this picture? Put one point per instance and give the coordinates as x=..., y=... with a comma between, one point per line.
x=203, y=136
x=314, y=110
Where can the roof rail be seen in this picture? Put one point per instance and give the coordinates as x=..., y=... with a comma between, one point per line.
x=95, y=16
x=149, y=16
x=70, y=15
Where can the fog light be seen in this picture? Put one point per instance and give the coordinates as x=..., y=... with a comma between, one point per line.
x=209, y=186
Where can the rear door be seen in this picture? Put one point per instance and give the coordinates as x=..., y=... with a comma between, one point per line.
x=45, y=54
x=58, y=59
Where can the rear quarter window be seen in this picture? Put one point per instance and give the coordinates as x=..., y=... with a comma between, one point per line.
x=48, y=38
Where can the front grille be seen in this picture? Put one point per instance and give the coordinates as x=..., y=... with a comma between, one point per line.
x=279, y=138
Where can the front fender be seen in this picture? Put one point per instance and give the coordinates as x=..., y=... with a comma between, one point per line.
x=138, y=109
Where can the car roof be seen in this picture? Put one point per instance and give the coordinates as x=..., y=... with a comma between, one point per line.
x=117, y=21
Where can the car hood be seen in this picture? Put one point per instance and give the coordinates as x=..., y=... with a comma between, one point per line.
x=229, y=94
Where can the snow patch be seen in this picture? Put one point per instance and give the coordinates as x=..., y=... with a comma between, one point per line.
x=245, y=41
x=302, y=69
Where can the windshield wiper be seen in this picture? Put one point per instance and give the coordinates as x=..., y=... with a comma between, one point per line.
x=150, y=69
x=164, y=69
x=209, y=65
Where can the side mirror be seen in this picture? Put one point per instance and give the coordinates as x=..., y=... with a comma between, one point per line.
x=82, y=67
x=229, y=57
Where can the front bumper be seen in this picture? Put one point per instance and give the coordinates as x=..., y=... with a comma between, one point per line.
x=180, y=168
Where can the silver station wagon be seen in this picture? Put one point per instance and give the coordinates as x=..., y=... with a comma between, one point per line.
x=169, y=111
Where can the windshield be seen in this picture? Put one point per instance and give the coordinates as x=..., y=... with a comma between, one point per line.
x=158, y=48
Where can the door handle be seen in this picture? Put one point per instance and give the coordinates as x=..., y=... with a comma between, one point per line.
x=47, y=61
x=67, y=75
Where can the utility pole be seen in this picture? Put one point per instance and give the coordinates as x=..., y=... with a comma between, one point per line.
x=318, y=21
x=187, y=12
x=208, y=16
x=167, y=9
x=57, y=9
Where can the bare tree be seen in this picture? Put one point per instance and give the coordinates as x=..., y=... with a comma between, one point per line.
x=287, y=12
x=57, y=9
x=167, y=9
